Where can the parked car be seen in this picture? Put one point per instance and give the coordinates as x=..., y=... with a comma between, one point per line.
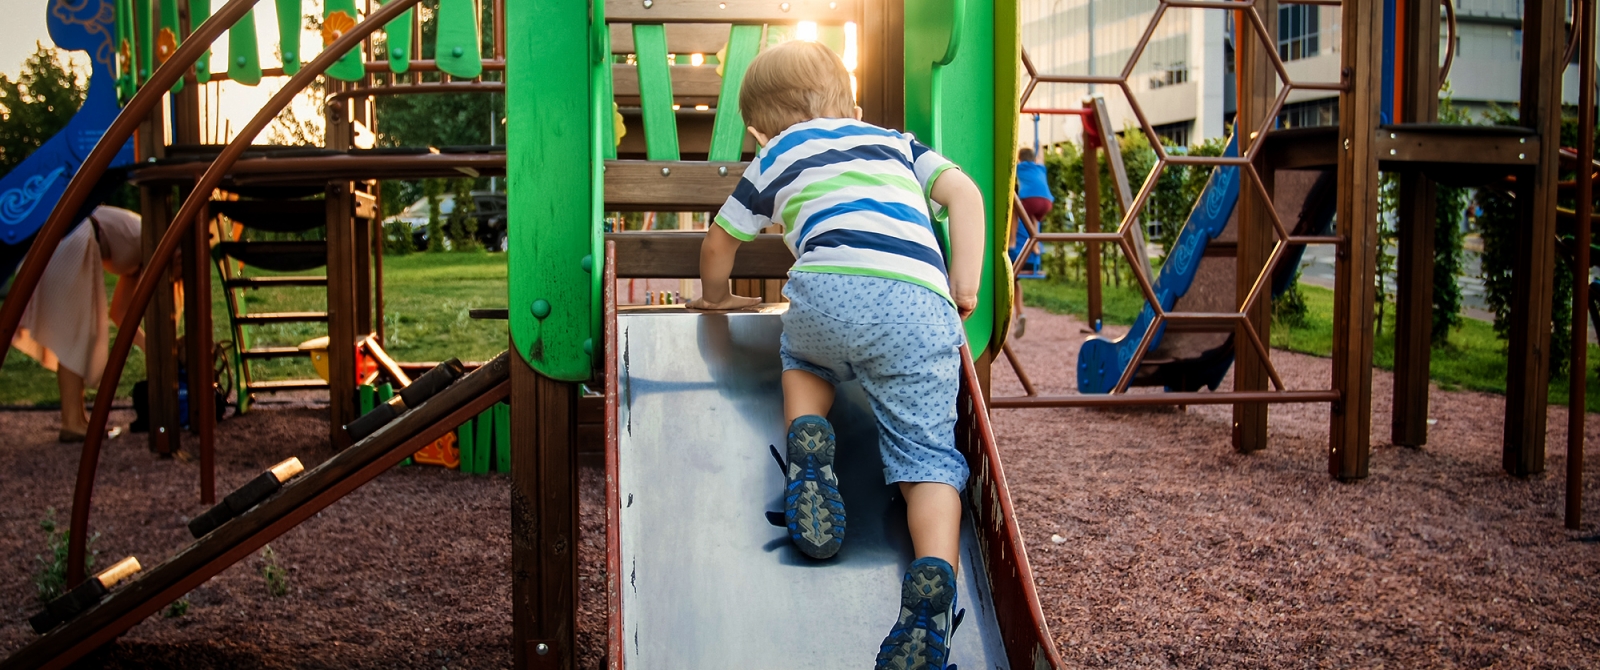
x=491, y=216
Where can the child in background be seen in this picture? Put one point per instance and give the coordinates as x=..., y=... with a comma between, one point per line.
x=871, y=299
x=1032, y=186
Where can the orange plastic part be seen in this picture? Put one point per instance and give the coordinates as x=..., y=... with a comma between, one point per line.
x=442, y=452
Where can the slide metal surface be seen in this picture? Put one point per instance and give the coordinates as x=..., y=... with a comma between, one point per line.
x=704, y=580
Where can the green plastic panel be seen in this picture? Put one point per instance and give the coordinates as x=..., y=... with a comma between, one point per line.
x=144, y=39
x=199, y=11
x=126, y=82
x=551, y=155
x=365, y=395
x=398, y=34
x=481, y=451
x=467, y=444
x=459, y=49
x=655, y=92
x=289, y=13
x=349, y=67
x=244, y=51
x=168, y=30
x=727, y=133
x=502, y=437
x=963, y=33
x=602, y=91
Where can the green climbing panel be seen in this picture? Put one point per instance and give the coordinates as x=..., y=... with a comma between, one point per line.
x=144, y=40
x=481, y=452
x=338, y=17
x=167, y=36
x=458, y=50
x=244, y=52
x=289, y=12
x=727, y=132
x=502, y=437
x=552, y=158
x=655, y=92
x=199, y=11
x=398, y=34
x=466, y=446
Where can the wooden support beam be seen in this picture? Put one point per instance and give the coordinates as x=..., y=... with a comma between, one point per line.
x=881, y=63
x=1533, y=273
x=1354, y=264
x=1258, y=88
x=544, y=519
x=1413, y=321
x=669, y=255
x=361, y=254
x=342, y=319
x=160, y=330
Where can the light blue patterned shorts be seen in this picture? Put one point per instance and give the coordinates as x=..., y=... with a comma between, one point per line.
x=903, y=342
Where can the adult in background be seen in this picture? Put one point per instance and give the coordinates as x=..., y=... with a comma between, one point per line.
x=1032, y=186
x=66, y=326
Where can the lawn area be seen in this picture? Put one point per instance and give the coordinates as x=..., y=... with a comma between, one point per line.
x=427, y=298
x=1473, y=358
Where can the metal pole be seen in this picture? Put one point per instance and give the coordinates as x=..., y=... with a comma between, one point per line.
x=1577, y=406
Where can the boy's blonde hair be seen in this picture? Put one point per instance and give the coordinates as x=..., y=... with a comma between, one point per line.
x=792, y=83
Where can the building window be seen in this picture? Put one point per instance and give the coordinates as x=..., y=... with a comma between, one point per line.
x=1297, y=31
x=1311, y=113
x=1176, y=134
x=1168, y=75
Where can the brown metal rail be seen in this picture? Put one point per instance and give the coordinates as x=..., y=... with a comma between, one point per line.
x=170, y=240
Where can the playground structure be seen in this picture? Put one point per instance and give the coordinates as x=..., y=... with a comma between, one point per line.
x=915, y=60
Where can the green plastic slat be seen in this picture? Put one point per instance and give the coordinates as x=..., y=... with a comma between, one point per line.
x=398, y=35
x=365, y=394
x=339, y=16
x=199, y=11
x=727, y=133
x=144, y=38
x=603, y=91
x=502, y=437
x=466, y=444
x=289, y=16
x=167, y=36
x=655, y=92
x=125, y=67
x=244, y=52
x=485, y=437
x=602, y=118
x=459, y=47
x=549, y=145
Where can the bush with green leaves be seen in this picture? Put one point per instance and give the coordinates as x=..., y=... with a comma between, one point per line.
x=51, y=580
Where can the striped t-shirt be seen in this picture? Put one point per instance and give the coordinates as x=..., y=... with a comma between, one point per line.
x=852, y=198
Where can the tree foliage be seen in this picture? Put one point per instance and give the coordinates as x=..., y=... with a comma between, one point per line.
x=37, y=104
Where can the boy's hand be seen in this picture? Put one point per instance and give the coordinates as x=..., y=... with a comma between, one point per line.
x=727, y=303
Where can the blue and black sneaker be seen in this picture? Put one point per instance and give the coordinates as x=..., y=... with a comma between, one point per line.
x=920, y=639
x=812, y=508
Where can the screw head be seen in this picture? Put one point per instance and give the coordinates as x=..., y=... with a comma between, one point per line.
x=400, y=52
x=288, y=56
x=1522, y=156
x=666, y=171
x=722, y=170
x=647, y=4
x=588, y=347
x=587, y=263
x=240, y=60
x=543, y=648
x=540, y=308
x=1347, y=144
x=1391, y=152
x=784, y=6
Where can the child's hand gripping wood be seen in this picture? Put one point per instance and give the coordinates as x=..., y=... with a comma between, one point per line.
x=716, y=264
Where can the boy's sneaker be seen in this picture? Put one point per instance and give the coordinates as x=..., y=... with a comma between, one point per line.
x=920, y=640
x=812, y=507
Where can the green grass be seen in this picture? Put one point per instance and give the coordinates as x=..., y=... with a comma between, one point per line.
x=1473, y=359
x=427, y=300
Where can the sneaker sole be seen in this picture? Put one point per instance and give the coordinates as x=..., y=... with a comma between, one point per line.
x=813, y=508
x=920, y=648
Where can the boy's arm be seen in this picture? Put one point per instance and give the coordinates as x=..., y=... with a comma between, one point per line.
x=964, y=203
x=716, y=263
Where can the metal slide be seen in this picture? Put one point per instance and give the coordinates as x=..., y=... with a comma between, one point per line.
x=298, y=500
x=704, y=579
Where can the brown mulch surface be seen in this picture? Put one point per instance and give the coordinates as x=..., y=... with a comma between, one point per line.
x=1154, y=543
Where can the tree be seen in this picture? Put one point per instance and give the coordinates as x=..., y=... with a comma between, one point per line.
x=37, y=104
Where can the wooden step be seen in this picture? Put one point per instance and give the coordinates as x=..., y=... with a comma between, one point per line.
x=282, y=385
x=274, y=282
x=684, y=186
x=263, y=318
x=272, y=352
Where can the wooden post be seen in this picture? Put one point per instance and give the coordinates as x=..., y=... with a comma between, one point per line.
x=1258, y=87
x=544, y=519
x=1578, y=384
x=1413, y=321
x=160, y=331
x=1350, y=438
x=1528, y=369
x=341, y=312
x=197, y=294
x=1091, y=224
x=361, y=248
x=882, y=63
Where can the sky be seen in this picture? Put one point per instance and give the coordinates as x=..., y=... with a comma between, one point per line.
x=25, y=25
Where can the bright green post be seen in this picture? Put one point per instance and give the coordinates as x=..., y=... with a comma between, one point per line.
x=244, y=52
x=502, y=437
x=551, y=162
x=289, y=12
x=398, y=36
x=199, y=11
x=459, y=49
x=339, y=16
x=482, y=448
x=727, y=132
x=466, y=445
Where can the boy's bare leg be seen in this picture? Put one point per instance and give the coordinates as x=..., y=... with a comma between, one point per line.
x=933, y=511
x=73, y=418
x=803, y=394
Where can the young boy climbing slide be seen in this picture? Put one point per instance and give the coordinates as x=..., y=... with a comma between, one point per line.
x=870, y=298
